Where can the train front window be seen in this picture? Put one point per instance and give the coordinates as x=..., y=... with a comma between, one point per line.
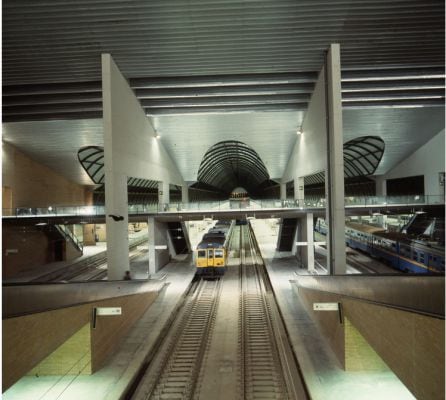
x=218, y=253
x=210, y=253
x=202, y=254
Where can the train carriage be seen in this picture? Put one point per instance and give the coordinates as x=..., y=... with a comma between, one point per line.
x=397, y=249
x=211, y=254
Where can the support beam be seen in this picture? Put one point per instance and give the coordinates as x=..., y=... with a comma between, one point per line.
x=283, y=191
x=130, y=150
x=306, y=236
x=185, y=194
x=163, y=193
x=116, y=208
x=299, y=192
x=158, y=243
x=335, y=164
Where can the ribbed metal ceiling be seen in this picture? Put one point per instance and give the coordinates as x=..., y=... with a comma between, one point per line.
x=206, y=71
x=59, y=41
x=228, y=93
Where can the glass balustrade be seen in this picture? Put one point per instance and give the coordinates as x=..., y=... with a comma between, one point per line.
x=209, y=206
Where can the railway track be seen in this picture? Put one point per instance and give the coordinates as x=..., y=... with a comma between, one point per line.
x=175, y=370
x=84, y=270
x=269, y=368
x=264, y=365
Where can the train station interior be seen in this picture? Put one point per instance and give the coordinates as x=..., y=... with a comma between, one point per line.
x=223, y=199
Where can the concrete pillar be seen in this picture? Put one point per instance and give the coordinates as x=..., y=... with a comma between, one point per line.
x=283, y=191
x=381, y=186
x=185, y=194
x=158, y=243
x=299, y=192
x=335, y=164
x=163, y=193
x=382, y=220
x=116, y=209
x=307, y=236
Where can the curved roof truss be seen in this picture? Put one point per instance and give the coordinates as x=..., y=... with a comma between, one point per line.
x=230, y=164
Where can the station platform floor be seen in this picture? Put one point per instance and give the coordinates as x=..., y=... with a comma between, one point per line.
x=323, y=374
x=324, y=377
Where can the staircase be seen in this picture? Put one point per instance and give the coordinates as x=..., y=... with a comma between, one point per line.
x=287, y=233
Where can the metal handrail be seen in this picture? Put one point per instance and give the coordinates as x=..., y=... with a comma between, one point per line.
x=318, y=203
x=71, y=236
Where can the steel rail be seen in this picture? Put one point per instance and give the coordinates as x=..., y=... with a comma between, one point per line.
x=175, y=370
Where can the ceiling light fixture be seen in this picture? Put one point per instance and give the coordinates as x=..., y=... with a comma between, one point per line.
x=157, y=136
x=299, y=131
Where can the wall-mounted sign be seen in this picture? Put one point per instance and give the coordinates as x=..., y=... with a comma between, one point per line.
x=325, y=306
x=108, y=311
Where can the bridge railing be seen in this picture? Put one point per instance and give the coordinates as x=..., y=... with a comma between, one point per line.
x=370, y=201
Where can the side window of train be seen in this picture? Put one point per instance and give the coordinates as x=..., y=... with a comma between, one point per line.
x=415, y=255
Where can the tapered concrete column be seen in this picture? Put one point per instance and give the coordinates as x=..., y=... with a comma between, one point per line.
x=334, y=176
x=306, y=241
x=163, y=193
x=185, y=194
x=299, y=193
x=283, y=191
x=116, y=209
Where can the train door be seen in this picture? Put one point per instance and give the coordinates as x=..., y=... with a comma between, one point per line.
x=210, y=257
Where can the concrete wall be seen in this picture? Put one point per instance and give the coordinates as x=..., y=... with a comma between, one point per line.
x=30, y=184
x=410, y=344
x=428, y=160
x=30, y=339
x=23, y=249
x=310, y=151
x=158, y=237
x=130, y=147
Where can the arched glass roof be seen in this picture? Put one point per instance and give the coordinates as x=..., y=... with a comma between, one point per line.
x=230, y=164
x=361, y=158
x=92, y=159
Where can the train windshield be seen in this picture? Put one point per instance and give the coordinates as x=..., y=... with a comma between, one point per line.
x=218, y=253
x=210, y=253
x=202, y=253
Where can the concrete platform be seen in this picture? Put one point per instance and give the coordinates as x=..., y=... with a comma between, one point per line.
x=325, y=378
x=112, y=380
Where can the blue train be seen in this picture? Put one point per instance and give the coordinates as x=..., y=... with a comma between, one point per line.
x=396, y=249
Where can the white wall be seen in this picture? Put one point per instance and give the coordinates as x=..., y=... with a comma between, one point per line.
x=428, y=160
x=310, y=151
